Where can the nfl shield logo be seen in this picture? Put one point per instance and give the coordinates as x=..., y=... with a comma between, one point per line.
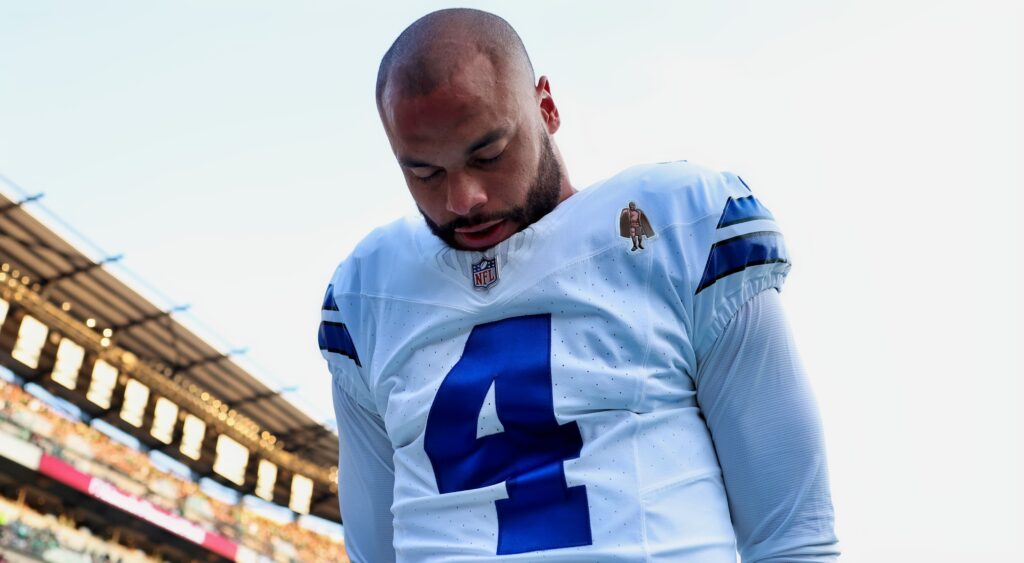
x=485, y=273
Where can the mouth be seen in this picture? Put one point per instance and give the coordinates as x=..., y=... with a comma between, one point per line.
x=484, y=235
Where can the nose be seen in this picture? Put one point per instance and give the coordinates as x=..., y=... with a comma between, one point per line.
x=465, y=194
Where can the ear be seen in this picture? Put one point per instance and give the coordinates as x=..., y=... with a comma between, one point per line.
x=548, y=109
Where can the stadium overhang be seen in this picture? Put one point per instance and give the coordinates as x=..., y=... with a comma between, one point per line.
x=77, y=298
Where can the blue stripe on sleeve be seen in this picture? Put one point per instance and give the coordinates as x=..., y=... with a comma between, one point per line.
x=329, y=303
x=738, y=253
x=742, y=210
x=334, y=337
x=744, y=184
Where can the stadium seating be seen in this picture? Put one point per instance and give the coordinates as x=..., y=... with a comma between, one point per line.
x=24, y=416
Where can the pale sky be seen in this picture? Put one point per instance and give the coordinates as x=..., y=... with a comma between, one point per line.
x=232, y=152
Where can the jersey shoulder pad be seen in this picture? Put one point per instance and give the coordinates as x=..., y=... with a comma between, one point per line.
x=676, y=192
x=340, y=314
x=380, y=252
x=730, y=245
x=345, y=336
x=334, y=336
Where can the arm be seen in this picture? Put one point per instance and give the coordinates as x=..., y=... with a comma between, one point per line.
x=366, y=477
x=765, y=426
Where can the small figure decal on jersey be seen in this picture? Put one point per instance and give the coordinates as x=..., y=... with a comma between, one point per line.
x=633, y=224
x=485, y=273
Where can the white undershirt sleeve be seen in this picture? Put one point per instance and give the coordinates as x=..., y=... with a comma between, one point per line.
x=765, y=425
x=366, y=477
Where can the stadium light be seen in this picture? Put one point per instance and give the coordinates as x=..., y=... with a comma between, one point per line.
x=31, y=337
x=104, y=378
x=266, y=478
x=136, y=396
x=69, y=361
x=193, y=431
x=302, y=493
x=232, y=459
x=165, y=416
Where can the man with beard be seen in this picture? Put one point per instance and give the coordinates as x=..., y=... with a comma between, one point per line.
x=529, y=389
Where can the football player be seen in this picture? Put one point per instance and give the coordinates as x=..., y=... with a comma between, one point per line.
x=514, y=381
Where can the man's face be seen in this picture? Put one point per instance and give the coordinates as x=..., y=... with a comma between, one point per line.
x=476, y=155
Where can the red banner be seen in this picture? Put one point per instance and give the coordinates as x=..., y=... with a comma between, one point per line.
x=141, y=508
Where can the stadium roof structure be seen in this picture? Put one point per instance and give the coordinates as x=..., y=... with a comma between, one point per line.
x=81, y=298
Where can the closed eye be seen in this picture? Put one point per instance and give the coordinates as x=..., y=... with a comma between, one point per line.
x=422, y=175
x=491, y=160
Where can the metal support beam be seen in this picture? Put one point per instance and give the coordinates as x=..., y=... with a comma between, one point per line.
x=257, y=397
x=150, y=318
x=291, y=433
x=320, y=498
x=34, y=244
x=217, y=358
x=19, y=203
x=79, y=270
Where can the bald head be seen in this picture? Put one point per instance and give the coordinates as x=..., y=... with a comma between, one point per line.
x=471, y=127
x=430, y=51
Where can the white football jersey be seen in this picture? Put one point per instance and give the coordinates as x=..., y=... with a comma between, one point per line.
x=540, y=397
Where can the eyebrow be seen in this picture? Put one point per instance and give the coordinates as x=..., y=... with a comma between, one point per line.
x=410, y=163
x=480, y=143
x=487, y=139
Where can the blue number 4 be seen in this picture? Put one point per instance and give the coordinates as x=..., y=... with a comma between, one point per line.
x=541, y=511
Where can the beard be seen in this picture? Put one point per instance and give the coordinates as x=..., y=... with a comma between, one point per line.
x=541, y=198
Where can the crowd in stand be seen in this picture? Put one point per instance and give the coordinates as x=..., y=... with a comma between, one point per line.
x=130, y=470
x=49, y=538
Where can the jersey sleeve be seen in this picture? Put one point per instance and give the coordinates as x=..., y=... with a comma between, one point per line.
x=734, y=250
x=341, y=315
x=366, y=480
x=764, y=422
x=365, y=467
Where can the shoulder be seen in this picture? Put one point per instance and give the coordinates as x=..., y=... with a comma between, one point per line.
x=718, y=244
x=722, y=241
x=676, y=192
x=364, y=272
x=703, y=205
x=384, y=250
x=344, y=336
